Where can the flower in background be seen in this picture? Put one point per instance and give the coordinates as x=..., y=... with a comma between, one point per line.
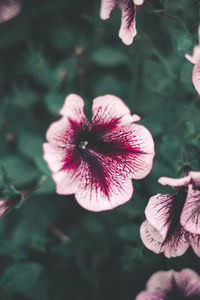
x=96, y=160
x=128, y=24
x=7, y=204
x=9, y=9
x=168, y=285
x=195, y=59
x=173, y=220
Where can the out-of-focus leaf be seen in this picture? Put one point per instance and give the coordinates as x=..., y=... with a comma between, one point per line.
x=129, y=232
x=108, y=57
x=27, y=278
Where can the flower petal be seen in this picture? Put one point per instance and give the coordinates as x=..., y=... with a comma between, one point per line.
x=145, y=295
x=195, y=178
x=127, y=30
x=73, y=109
x=188, y=282
x=195, y=243
x=99, y=187
x=131, y=149
x=9, y=9
x=190, y=217
x=174, y=245
x=177, y=244
x=175, y=182
x=161, y=283
x=195, y=57
x=138, y=2
x=60, y=133
x=66, y=182
x=110, y=112
x=53, y=157
x=157, y=212
x=196, y=76
x=151, y=238
x=106, y=8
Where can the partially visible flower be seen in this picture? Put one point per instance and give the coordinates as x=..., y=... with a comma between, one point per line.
x=195, y=59
x=9, y=9
x=168, y=285
x=96, y=160
x=7, y=204
x=127, y=30
x=173, y=220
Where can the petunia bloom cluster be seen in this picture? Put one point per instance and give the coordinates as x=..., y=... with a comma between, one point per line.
x=173, y=220
x=128, y=8
x=195, y=59
x=166, y=285
x=96, y=160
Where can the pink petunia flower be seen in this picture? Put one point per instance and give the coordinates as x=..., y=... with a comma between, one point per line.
x=173, y=222
x=168, y=285
x=127, y=30
x=96, y=160
x=9, y=9
x=195, y=59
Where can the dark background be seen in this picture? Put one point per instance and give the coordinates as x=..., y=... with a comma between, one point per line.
x=50, y=247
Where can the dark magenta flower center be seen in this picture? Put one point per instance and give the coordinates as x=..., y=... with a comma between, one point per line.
x=89, y=140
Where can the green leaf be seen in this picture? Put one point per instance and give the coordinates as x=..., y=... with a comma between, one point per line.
x=30, y=144
x=156, y=79
x=108, y=57
x=19, y=170
x=27, y=278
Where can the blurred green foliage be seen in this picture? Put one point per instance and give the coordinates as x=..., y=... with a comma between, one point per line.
x=51, y=248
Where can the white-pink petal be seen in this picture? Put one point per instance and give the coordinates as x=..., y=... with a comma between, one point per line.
x=9, y=9
x=190, y=216
x=175, y=182
x=127, y=31
x=151, y=238
x=106, y=8
x=138, y=2
x=99, y=192
x=157, y=212
x=196, y=76
x=73, y=108
x=66, y=182
x=109, y=108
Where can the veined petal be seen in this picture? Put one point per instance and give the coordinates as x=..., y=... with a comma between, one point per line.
x=188, y=282
x=53, y=157
x=190, y=217
x=157, y=212
x=127, y=30
x=176, y=244
x=196, y=76
x=195, y=178
x=151, y=237
x=106, y=8
x=100, y=188
x=9, y=9
x=195, y=243
x=161, y=283
x=131, y=149
x=66, y=181
x=110, y=112
x=73, y=109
